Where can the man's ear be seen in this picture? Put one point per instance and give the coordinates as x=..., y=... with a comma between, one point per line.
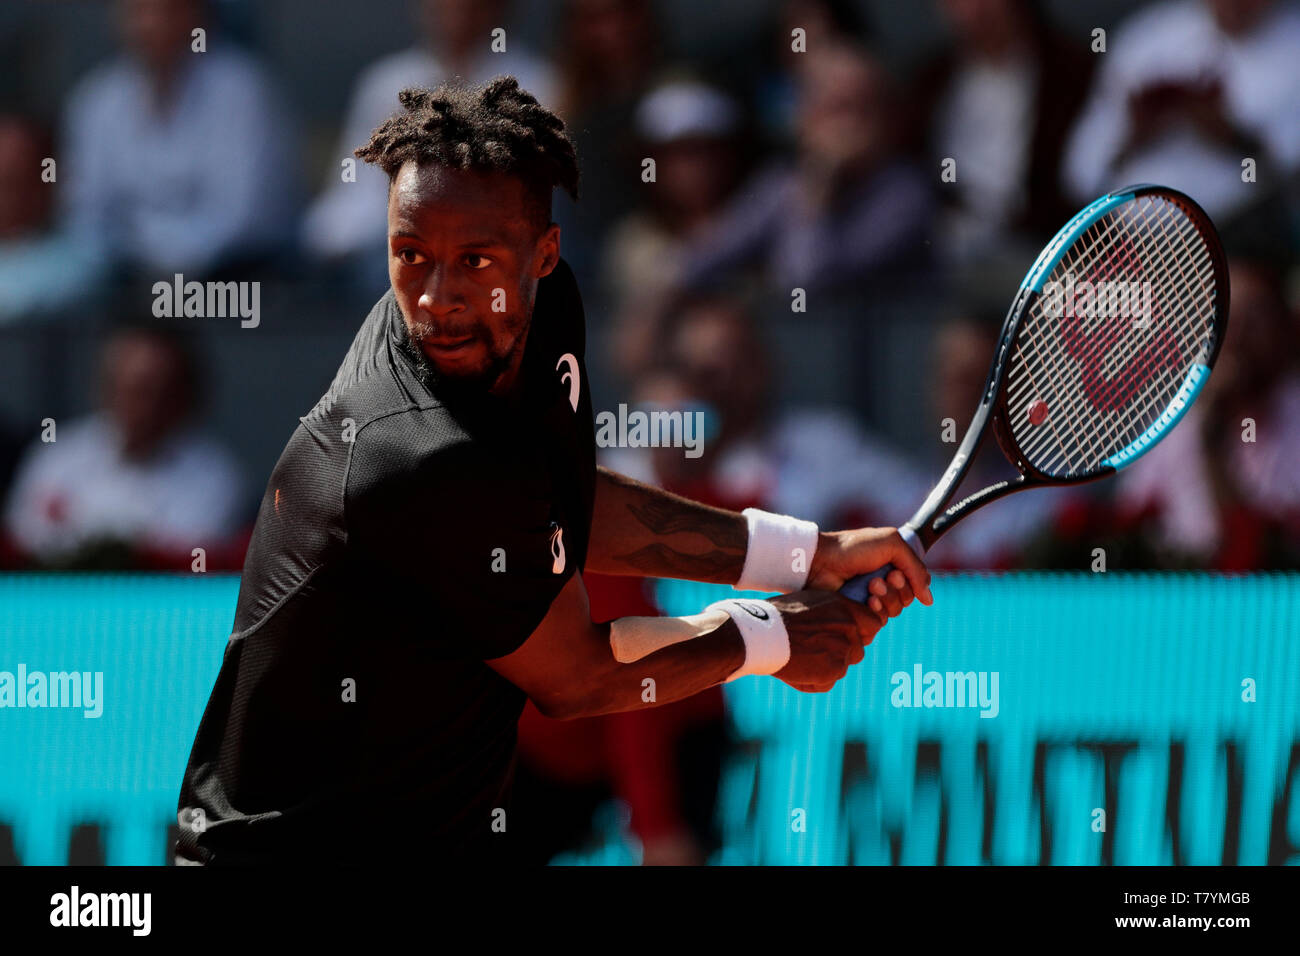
x=548, y=251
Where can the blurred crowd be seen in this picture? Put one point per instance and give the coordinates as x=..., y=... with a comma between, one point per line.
x=811, y=156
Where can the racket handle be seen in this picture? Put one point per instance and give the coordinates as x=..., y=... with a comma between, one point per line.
x=856, y=588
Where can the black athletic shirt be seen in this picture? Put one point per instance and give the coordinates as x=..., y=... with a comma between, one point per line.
x=406, y=536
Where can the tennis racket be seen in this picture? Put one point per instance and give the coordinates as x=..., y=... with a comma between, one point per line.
x=1106, y=345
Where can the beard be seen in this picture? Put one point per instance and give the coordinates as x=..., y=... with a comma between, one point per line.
x=459, y=386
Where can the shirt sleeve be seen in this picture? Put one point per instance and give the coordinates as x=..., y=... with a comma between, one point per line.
x=87, y=199
x=460, y=536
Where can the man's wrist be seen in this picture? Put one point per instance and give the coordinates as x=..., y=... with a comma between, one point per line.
x=767, y=643
x=779, y=552
x=733, y=643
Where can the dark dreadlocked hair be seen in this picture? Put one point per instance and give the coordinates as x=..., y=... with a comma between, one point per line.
x=495, y=127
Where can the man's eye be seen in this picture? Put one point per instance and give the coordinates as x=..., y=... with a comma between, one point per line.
x=476, y=262
x=410, y=256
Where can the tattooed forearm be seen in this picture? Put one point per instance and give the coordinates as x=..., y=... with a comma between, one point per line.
x=640, y=529
x=661, y=561
x=664, y=516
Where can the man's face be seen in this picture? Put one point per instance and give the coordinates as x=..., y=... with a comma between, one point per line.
x=464, y=259
x=22, y=208
x=1257, y=346
x=845, y=110
x=143, y=393
x=456, y=25
x=717, y=350
x=159, y=30
x=1237, y=17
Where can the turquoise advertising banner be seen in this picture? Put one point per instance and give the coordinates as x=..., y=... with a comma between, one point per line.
x=1024, y=719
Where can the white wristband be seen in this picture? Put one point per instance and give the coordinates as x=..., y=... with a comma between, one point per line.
x=778, y=544
x=767, y=645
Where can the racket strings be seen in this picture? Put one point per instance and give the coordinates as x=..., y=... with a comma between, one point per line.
x=1092, y=439
x=1069, y=416
x=1173, y=373
x=1104, y=263
x=1105, y=378
x=1162, y=277
x=1171, y=359
x=1095, y=237
x=1113, y=392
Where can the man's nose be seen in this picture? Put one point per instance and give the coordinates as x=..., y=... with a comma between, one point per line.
x=440, y=295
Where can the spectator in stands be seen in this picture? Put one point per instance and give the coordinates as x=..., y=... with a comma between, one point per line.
x=846, y=212
x=1000, y=102
x=812, y=462
x=610, y=51
x=177, y=160
x=12, y=443
x=692, y=130
x=776, y=87
x=134, y=483
x=347, y=221
x=1223, y=485
x=42, y=270
x=1188, y=90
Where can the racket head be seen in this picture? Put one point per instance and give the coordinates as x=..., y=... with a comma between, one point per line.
x=1111, y=336
x=1098, y=365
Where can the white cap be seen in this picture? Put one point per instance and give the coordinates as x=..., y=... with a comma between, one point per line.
x=685, y=108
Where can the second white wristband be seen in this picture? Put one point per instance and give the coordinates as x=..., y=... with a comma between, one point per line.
x=767, y=644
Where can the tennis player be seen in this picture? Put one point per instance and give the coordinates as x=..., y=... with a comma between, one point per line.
x=416, y=568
